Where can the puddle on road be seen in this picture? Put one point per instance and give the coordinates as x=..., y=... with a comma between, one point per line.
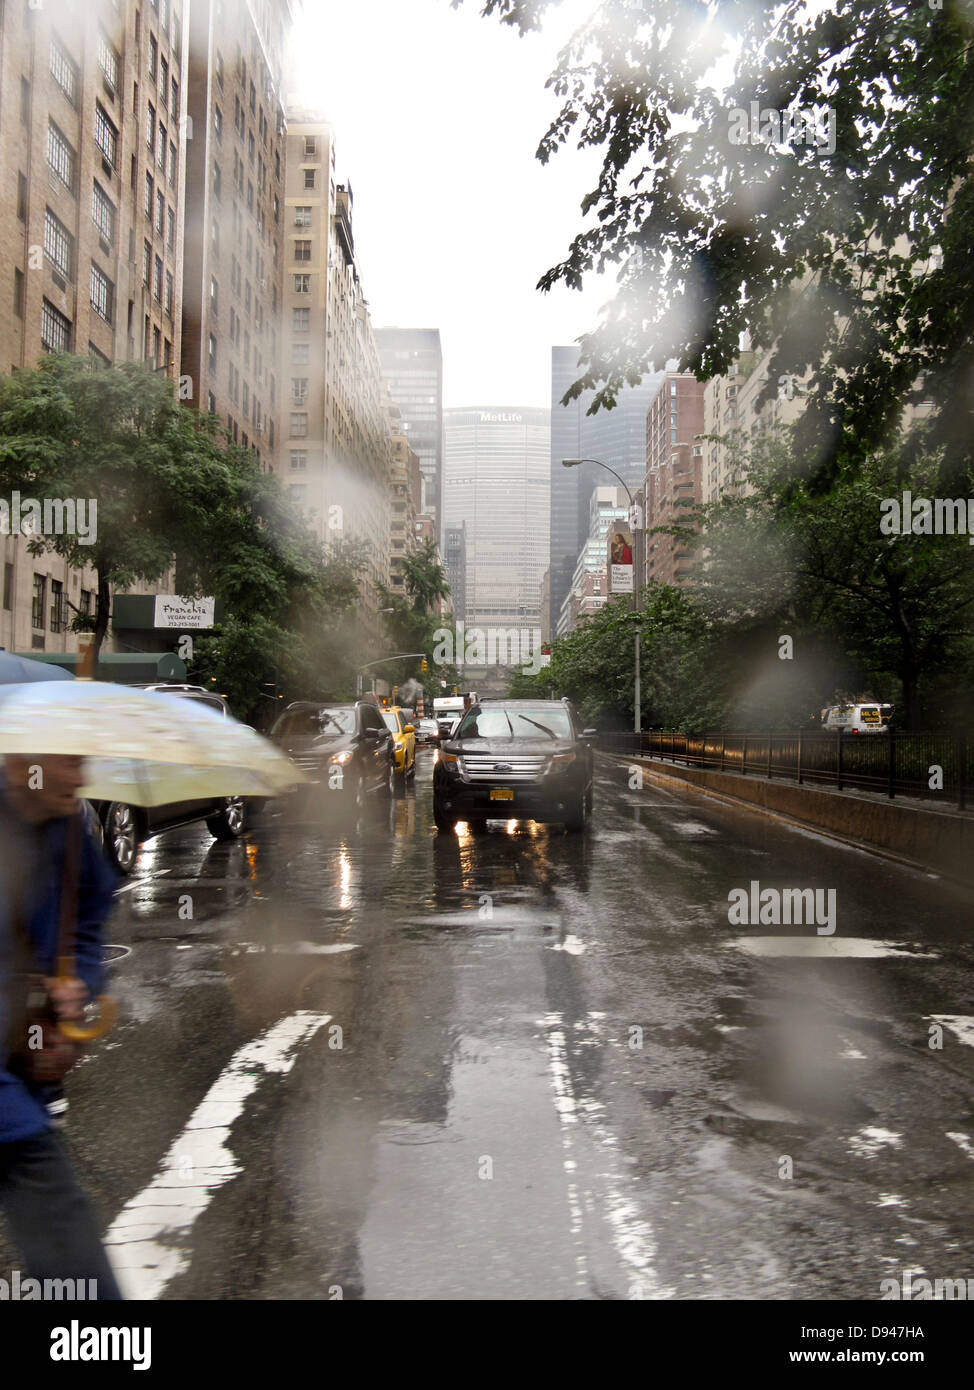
x=825, y=947
x=868, y=1142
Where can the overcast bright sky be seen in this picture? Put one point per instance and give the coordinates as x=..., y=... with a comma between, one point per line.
x=437, y=115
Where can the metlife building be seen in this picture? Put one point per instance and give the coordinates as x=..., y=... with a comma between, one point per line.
x=496, y=467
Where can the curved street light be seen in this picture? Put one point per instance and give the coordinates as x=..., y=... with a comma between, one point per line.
x=633, y=519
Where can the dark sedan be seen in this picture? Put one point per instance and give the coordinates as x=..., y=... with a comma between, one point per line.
x=341, y=748
x=514, y=760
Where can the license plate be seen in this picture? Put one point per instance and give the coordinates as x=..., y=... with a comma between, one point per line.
x=501, y=794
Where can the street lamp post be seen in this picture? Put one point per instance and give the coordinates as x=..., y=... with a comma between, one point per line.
x=637, y=558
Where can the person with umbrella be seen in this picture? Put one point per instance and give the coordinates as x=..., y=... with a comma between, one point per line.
x=56, y=893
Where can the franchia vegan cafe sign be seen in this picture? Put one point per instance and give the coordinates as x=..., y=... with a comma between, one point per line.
x=186, y=614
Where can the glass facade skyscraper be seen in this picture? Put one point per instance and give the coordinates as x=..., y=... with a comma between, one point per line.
x=495, y=479
x=412, y=363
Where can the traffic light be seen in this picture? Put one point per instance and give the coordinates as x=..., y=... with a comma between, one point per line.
x=395, y=694
x=424, y=666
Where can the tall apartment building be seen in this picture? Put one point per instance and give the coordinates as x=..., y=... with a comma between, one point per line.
x=495, y=479
x=92, y=155
x=405, y=496
x=616, y=437
x=674, y=471
x=590, y=582
x=235, y=236
x=337, y=448
x=412, y=360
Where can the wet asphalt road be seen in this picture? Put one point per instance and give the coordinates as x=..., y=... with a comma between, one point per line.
x=377, y=1063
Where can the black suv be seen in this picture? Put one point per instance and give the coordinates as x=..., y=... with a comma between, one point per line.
x=514, y=759
x=344, y=748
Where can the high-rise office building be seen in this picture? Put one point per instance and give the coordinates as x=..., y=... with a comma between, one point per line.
x=412, y=361
x=92, y=155
x=235, y=238
x=495, y=480
x=590, y=582
x=455, y=564
x=616, y=437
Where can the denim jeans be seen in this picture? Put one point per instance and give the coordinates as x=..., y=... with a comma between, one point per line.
x=49, y=1216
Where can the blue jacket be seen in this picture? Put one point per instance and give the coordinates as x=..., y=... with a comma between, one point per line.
x=22, y=1109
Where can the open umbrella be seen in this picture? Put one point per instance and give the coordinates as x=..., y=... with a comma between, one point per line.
x=141, y=746
x=20, y=670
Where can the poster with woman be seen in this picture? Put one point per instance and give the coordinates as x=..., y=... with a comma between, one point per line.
x=620, y=559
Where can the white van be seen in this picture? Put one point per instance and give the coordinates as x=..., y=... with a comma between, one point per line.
x=868, y=718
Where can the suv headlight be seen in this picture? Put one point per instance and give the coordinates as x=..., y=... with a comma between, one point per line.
x=561, y=760
x=342, y=758
x=451, y=760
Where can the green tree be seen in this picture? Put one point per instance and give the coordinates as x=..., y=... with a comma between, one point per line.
x=853, y=263
x=424, y=578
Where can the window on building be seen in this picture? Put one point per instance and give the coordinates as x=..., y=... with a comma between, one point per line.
x=299, y=425
x=174, y=98
x=58, y=245
x=302, y=284
x=8, y=587
x=24, y=101
x=106, y=135
x=172, y=165
x=302, y=250
x=97, y=358
x=212, y=353
x=161, y=143
x=171, y=230
x=160, y=213
x=21, y=197
x=147, y=202
x=146, y=263
x=218, y=122
x=153, y=57
x=163, y=79
x=58, y=606
x=310, y=177
x=211, y=402
x=299, y=389
x=63, y=70
x=150, y=126
x=108, y=59
x=102, y=294
x=157, y=279
x=61, y=157
x=217, y=181
x=103, y=213
x=299, y=460
x=302, y=217
x=37, y=602
x=300, y=354
x=300, y=320
x=168, y=301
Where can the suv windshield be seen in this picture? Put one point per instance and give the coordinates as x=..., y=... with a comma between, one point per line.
x=328, y=722
x=515, y=723
x=392, y=721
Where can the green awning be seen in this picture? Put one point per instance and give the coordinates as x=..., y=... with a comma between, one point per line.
x=126, y=668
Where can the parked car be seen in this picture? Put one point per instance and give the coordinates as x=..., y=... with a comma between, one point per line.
x=427, y=731
x=515, y=759
x=125, y=828
x=404, y=739
x=352, y=739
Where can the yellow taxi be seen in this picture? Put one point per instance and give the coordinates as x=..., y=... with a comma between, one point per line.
x=404, y=738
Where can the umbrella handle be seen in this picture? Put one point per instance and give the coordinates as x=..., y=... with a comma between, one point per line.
x=88, y=1032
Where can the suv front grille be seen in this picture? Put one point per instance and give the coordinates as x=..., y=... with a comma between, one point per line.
x=480, y=768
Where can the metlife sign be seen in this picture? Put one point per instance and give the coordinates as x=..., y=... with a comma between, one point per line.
x=491, y=417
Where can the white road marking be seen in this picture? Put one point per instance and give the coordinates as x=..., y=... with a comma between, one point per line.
x=961, y=1025
x=148, y=1240
x=631, y=1236
x=572, y=944
x=824, y=947
x=141, y=882
x=963, y=1142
